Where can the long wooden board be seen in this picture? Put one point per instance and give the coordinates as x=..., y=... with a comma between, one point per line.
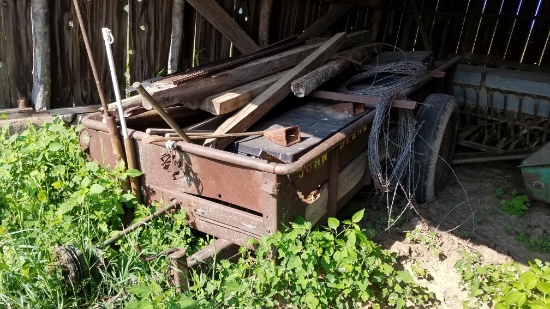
x=167, y=94
x=256, y=109
x=231, y=100
x=219, y=18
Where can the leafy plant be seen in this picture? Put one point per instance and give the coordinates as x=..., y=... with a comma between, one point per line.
x=428, y=239
x=541, y=243
x=51, y=196
x=504, y=285
x=516, y=206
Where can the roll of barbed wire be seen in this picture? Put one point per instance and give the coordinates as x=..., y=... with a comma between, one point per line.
x=388, y=82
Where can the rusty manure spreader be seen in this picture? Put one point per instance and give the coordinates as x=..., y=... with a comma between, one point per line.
x=304, y=157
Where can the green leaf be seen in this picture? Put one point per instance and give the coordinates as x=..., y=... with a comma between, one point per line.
x=515, y=298
x=92, y=166
x=140, y=289
x=358, y=216
x=96, y=189
x=133, y=173
x=528, y=280
x=544, y=287
x=55, y=147
x=333, y=223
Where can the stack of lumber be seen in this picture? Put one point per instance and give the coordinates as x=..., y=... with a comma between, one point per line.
x=247, y=92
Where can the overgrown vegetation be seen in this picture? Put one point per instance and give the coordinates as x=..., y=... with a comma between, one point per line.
x=50, y=195
x=504, y=285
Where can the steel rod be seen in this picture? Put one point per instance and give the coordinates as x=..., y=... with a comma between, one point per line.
x=169, y=120
x=135, y=226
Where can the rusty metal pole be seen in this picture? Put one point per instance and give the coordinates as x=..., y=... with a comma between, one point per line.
x=180, y=270
x=116, y=143
x=169, y=120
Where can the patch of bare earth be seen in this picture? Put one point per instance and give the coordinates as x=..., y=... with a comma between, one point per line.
x=466, y=216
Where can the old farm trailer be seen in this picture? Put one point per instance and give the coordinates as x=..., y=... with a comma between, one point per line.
x=256, y=187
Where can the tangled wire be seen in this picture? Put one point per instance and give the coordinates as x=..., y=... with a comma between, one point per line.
x=389, y=82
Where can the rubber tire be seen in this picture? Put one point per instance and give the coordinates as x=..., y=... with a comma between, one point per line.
x=438, y=118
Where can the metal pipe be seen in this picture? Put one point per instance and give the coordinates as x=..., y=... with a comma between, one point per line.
x=129, y=147
x=135, y=226
x=171, y=122
x=248, y=162
x=108, y=38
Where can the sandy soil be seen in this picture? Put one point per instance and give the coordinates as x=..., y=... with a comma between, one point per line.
x=467, y=216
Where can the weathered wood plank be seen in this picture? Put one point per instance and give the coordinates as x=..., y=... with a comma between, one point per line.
x=265, y=20
x=323, y=23
x=150, y=30
x=236, y=98
x=42, y=81
x=176, y=36
x=311, y=81
x=252, y=112
x=15, y=32
x=216, y=15
x=27, y=113
x=167, y=94
x=72, y=80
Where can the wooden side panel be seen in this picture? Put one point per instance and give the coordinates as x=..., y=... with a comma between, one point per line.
x=15, y=52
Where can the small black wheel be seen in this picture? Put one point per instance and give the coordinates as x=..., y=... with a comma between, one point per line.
x=438, y=120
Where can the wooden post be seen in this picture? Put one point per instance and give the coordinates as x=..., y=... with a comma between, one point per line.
x=177, y=36
x=41, y=89
x=265, y=19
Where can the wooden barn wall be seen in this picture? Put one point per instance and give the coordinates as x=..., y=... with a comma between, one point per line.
x=73, y=83
x=514, y=30
x=15, y=52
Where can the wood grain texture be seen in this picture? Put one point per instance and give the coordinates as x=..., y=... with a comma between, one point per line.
x=219, y=18
x=72, y=80
x=15, y=52
x=150, y=31
x=252, y=112
x=42, y=77
x=236, y=98
x=167, y=94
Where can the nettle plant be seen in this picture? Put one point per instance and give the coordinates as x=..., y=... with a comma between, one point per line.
x=504, y=285
x=336, y=266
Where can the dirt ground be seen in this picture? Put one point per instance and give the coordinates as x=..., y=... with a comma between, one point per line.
x=466, y=215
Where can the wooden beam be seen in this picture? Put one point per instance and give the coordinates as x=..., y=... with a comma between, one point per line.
x=231, y=100
x=420, y=25
x=28, y=113
x=177, y=36
x=314, y=79
x=167, y=94
x=256, y=109
x=334, y=13
x=265, y=20
x=42, y=73
x=219, y=18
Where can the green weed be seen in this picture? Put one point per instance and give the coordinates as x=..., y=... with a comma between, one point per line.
x=515, y=205
x=504, y=285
